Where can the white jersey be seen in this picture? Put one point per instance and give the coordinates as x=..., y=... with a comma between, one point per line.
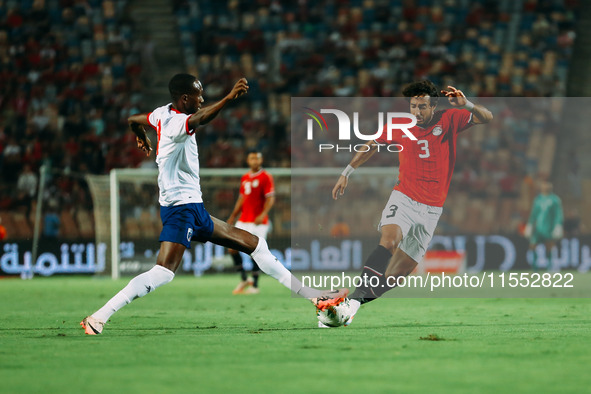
x=176, y=156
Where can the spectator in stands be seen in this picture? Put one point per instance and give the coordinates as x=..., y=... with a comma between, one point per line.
x=26, y=188
x=51, y=221
x=76, y=59
x=340, y=229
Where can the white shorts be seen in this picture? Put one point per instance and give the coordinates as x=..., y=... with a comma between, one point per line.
x=416, y=220
x=260, y=230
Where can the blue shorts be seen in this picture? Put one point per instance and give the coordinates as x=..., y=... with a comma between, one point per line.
x=182, y=224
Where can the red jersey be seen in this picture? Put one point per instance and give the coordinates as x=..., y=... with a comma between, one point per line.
x=426, y=165
x=254, y=189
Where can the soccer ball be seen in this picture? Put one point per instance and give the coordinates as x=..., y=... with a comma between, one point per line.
x=335, y=316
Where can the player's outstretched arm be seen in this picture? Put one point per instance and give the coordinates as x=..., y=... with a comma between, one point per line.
x=480, y=114
x=359, y=158
x=206, y=114
x=136, y=124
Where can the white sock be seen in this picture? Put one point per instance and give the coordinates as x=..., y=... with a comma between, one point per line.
x=137, y=287
x=271, y=266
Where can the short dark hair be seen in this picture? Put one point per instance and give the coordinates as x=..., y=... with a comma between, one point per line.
x=181, y=84
x=257, y=151
x=422, y=88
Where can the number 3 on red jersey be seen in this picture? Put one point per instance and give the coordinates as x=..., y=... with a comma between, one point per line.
x=424, y=148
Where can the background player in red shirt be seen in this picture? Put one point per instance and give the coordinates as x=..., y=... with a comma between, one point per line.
x=415, y=205
x=257, y=196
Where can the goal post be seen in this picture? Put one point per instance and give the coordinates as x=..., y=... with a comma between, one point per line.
x=114, y=219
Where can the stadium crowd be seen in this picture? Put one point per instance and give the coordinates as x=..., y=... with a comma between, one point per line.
x=70, y=74
x=69, y=77
x=373, y=48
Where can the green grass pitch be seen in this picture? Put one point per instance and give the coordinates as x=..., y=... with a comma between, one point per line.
x=193, y=335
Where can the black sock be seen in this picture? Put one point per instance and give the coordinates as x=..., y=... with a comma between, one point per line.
x=375, y=267
x=255, y=274
x=255, y=279
x=238, y=265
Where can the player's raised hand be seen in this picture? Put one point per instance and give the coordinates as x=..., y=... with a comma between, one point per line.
x=144, y=144
x=339, y=188
x=455, y=96
x=240, y=88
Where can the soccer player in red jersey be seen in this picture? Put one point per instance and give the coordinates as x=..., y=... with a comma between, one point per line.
x=257, y=196
x=415, y=205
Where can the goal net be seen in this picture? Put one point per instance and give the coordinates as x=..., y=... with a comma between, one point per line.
x=127, y=213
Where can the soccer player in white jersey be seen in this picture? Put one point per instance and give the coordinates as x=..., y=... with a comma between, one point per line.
x=184, y=219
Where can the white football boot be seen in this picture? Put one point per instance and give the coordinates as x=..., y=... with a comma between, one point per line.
x=92, y=326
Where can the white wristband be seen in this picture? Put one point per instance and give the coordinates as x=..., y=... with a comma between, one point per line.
x=347, y=171
x=469, y=105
